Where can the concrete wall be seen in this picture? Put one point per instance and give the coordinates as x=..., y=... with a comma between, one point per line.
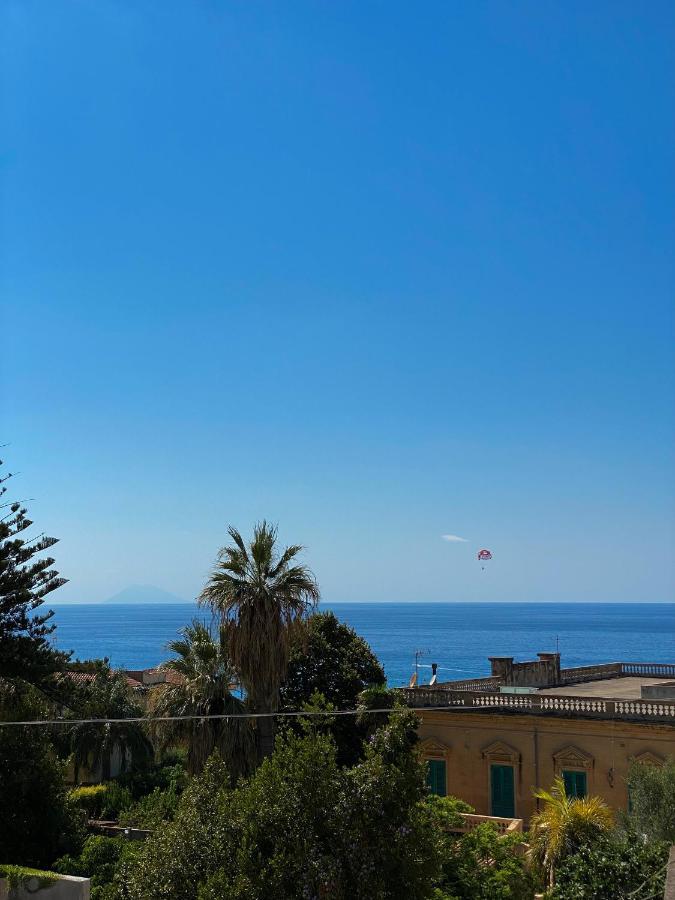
x=538, y=748
x=68, y=887
x=542, y=672
x=663, y=691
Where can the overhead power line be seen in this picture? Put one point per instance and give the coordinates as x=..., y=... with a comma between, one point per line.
x=248, y=715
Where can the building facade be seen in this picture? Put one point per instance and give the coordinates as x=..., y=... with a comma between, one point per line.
x=493, y=742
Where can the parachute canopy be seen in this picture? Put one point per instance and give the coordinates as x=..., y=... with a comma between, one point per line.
x=484, y=554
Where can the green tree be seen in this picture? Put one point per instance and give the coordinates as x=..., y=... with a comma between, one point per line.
x=202, y=688
x=93, y=744
x=330, y=658
x=26, y=577
x=618, y=866
x=37, y=821
x=261, y=596
x=652, y=800
x=564, y=825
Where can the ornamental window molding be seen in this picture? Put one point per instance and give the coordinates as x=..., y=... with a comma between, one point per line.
x=571, y=757
x=434, y=749
x=648, y=758
x=500, y=752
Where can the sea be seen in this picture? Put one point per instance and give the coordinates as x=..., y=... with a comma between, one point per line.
x=458, y=637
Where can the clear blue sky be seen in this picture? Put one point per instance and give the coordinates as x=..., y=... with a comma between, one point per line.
x=378, y=271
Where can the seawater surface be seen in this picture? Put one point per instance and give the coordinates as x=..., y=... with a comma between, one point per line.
x=457, y=636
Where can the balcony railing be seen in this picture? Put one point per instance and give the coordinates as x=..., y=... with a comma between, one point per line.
x=542, y=704
x=503, y=826
x=489, y=683
x=654, y=670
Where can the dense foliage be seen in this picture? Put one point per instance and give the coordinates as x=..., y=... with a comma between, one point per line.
x=37, y=820
x=99, y=860
x=329, y=658
x=652, y=800
x=301, y=826
x=614, y=867
x=484, y=865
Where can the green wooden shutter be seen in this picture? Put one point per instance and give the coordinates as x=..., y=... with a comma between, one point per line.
x=575, y=783
x=436, y=776
x=502, y=792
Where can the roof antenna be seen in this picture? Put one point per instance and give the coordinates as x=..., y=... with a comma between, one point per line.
x=418, y=654
x=557, y=644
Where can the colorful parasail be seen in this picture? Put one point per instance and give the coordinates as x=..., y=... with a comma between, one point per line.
x=483, y=557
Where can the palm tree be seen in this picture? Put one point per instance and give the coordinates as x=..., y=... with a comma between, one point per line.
x=261, y=598
x=203, y=676
x=564, y=825
x=93, y=744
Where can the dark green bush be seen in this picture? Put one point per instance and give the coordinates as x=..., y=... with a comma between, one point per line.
x=152, y=810
x=115, y=800
x=37, y=820
x=99, y=860
x=484, y=865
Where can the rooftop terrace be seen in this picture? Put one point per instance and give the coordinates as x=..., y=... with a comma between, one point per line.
x=643, y=692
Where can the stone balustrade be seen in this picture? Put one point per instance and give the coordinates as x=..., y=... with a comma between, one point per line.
x=503, y=826
x=542, y=704
x=470, y=684
x=616, y=670
x=650, y=670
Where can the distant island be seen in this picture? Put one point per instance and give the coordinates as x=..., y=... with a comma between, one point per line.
x=143, y=593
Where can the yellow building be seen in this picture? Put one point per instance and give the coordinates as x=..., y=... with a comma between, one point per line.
x=494, y=741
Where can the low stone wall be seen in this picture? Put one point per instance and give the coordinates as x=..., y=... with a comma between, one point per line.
x=65, y=887
x=112, y=829
x=663, y=691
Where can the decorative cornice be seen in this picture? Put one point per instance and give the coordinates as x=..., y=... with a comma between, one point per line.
x=571, y=757
x=501, y=752
x=433, y=747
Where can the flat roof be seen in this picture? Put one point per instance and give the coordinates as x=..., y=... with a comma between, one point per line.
x=622, y=688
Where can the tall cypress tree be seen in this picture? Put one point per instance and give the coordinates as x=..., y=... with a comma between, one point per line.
x=26, y=577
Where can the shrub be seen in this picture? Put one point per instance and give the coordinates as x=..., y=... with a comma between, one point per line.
x=169, y=773
x=484, y=865
x=152, y=810
x=99, y=860
x=89, y=798
x=116, y=799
